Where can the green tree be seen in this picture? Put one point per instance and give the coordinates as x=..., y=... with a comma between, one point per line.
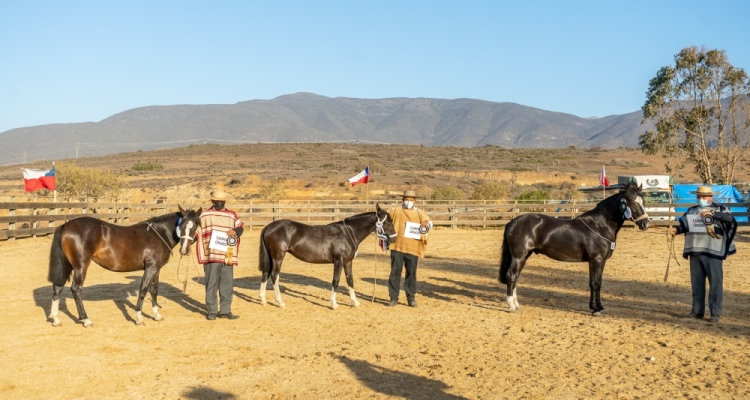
x=86, y=183
x=448, y=193
x=536, y=194
x=490, y=190
x=701, y=110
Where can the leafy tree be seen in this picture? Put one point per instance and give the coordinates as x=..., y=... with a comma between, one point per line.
x=490, y=190
x=701, y=110
x=448, y=193
x=85, y=183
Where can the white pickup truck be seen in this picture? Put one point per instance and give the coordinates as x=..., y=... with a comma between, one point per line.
x=656, y=189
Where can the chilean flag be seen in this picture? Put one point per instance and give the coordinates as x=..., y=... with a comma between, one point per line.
x=362, y=177
x=35, y=179
x=603, y=177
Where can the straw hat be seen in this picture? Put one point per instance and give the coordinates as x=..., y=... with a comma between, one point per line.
x=410, y=193
x=219, y=195
x=704, y=191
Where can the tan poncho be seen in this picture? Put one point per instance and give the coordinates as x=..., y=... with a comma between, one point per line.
x=211, y=220
x=400, y=216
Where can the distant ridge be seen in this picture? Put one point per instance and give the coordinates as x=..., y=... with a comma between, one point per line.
x=307, y=117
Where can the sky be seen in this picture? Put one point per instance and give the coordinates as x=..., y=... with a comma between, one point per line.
x=78, y=61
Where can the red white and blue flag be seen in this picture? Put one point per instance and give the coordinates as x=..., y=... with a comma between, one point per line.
x=35, y=179
x=362, y=177
x=603, y=177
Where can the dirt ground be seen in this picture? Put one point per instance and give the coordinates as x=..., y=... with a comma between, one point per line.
x=459, y=343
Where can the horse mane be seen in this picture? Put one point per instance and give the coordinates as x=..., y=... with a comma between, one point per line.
x=357, y=216
x=605, y=204
x=161, y=218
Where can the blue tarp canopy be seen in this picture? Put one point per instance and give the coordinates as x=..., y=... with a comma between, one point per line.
x=727, y=194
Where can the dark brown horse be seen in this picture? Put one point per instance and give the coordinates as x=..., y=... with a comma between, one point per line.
x=144, y=246
x=333, y=243
x=589, y=238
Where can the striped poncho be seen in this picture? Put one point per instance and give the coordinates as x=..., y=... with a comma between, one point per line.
x=212, y=220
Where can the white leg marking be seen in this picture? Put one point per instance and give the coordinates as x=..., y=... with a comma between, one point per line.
x=277, y=291
x=515, y=299
x=334, y=305
x=87, y=323
x=157, y=316
x=511, y=304
x=53, y=312
x=138, y=318
x=353, y=296
x=263, y=293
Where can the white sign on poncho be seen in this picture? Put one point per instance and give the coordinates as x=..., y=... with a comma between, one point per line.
x=218, y=241
x=412, y=231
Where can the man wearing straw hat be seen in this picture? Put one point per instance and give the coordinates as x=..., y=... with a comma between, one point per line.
x=217, y=247
x=411, y=226
x=709, y=230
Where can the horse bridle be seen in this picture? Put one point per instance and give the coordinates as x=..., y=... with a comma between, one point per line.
x=378, y=229
x=177, y=231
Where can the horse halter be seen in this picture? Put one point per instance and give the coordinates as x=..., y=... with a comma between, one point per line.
x=177, y=232
x=627, y=213
x=379, y=228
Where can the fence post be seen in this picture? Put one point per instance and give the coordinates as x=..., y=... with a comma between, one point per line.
x=12, y=225
x=336, y=211
x=34, y=222
x=250, y=211
x=308, y=211
x=484, y=210
x=453, y=215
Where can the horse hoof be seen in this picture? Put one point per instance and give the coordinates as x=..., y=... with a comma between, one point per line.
x=356, y=304
x=512, y=310
x=140, y=322
x=56, y=323
x=334, y=306
x=597, y=314
x=158, y=317
x=87, y=323
x=282, y=305
x=263, y=303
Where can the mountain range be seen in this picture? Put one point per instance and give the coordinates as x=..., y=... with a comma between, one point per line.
x=307, y=117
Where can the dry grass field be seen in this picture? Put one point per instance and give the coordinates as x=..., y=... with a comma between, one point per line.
x=460, y=343
x=320, y=171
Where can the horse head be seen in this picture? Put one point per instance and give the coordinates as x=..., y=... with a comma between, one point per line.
x=189, y=223
x=633, y=206
x=385, y=224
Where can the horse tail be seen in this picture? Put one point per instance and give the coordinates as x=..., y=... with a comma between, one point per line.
x=505, y=259
x=60, y=267
x=264, y=260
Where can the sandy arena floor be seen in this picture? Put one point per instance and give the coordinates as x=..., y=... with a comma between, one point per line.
x=459, y=343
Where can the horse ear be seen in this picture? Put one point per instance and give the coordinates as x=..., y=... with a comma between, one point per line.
x=200, y=210
x=377, y=207
x=182, y=212
x=640, y=187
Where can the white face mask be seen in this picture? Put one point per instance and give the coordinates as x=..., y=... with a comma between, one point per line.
x=408, y=204
x=703, y=202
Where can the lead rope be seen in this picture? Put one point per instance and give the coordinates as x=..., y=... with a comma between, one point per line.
x=670, y=246
x=171, y=249
x=187, y=274
x=382, y=244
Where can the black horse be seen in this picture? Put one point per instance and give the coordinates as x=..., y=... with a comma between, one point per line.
x=144, y=246
x=333, y=243
x=590, y=237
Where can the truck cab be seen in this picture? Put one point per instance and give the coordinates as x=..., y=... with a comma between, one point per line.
x=656, y=189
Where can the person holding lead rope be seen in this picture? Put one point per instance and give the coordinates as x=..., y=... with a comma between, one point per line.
x=709, y=230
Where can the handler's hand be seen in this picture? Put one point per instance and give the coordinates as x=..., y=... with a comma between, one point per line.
x=231, y=233
x=425, y=224
x=704, y=213
x=672, y=230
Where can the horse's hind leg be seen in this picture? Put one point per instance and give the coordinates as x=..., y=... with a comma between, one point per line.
x=337, y=265
x=275, y=279
x=154, y=290
x=350, y=282
x=516, y=266
x=56, y=292
x=595, y=285
x=79, y=275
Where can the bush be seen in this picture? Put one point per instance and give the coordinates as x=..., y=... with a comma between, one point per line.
x=84, y=183
x=271, y=193
x=534, y=195
x=490, y=190
x=448, y=193
x=147, y=166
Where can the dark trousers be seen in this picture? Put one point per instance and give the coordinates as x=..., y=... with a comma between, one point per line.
x=702, y=267
x=219, y=277
x=400, y=260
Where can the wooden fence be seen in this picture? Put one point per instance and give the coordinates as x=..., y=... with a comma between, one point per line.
x=29, y=219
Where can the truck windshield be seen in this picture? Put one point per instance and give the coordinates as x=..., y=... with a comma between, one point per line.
x=657, y=197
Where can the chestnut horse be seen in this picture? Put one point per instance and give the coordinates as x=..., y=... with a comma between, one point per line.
x=144, y=246
x=589, y=238
x=333, y=243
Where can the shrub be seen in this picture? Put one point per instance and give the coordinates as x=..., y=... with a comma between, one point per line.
x=84, y=183
x=271, y=192
x=448, y=193
x=536, y=194
x=490, y=190
x=147, y=166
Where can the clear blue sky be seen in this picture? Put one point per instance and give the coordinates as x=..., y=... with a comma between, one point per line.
x=74, y=61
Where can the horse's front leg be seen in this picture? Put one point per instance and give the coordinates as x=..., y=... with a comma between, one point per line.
x=154, y=290
x=275, y=279
x=350, y=282
x=596, y=268
x=516, y=265
x=337, y=265
x=148, y=276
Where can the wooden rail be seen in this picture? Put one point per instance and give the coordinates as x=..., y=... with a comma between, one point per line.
x=24, y=219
